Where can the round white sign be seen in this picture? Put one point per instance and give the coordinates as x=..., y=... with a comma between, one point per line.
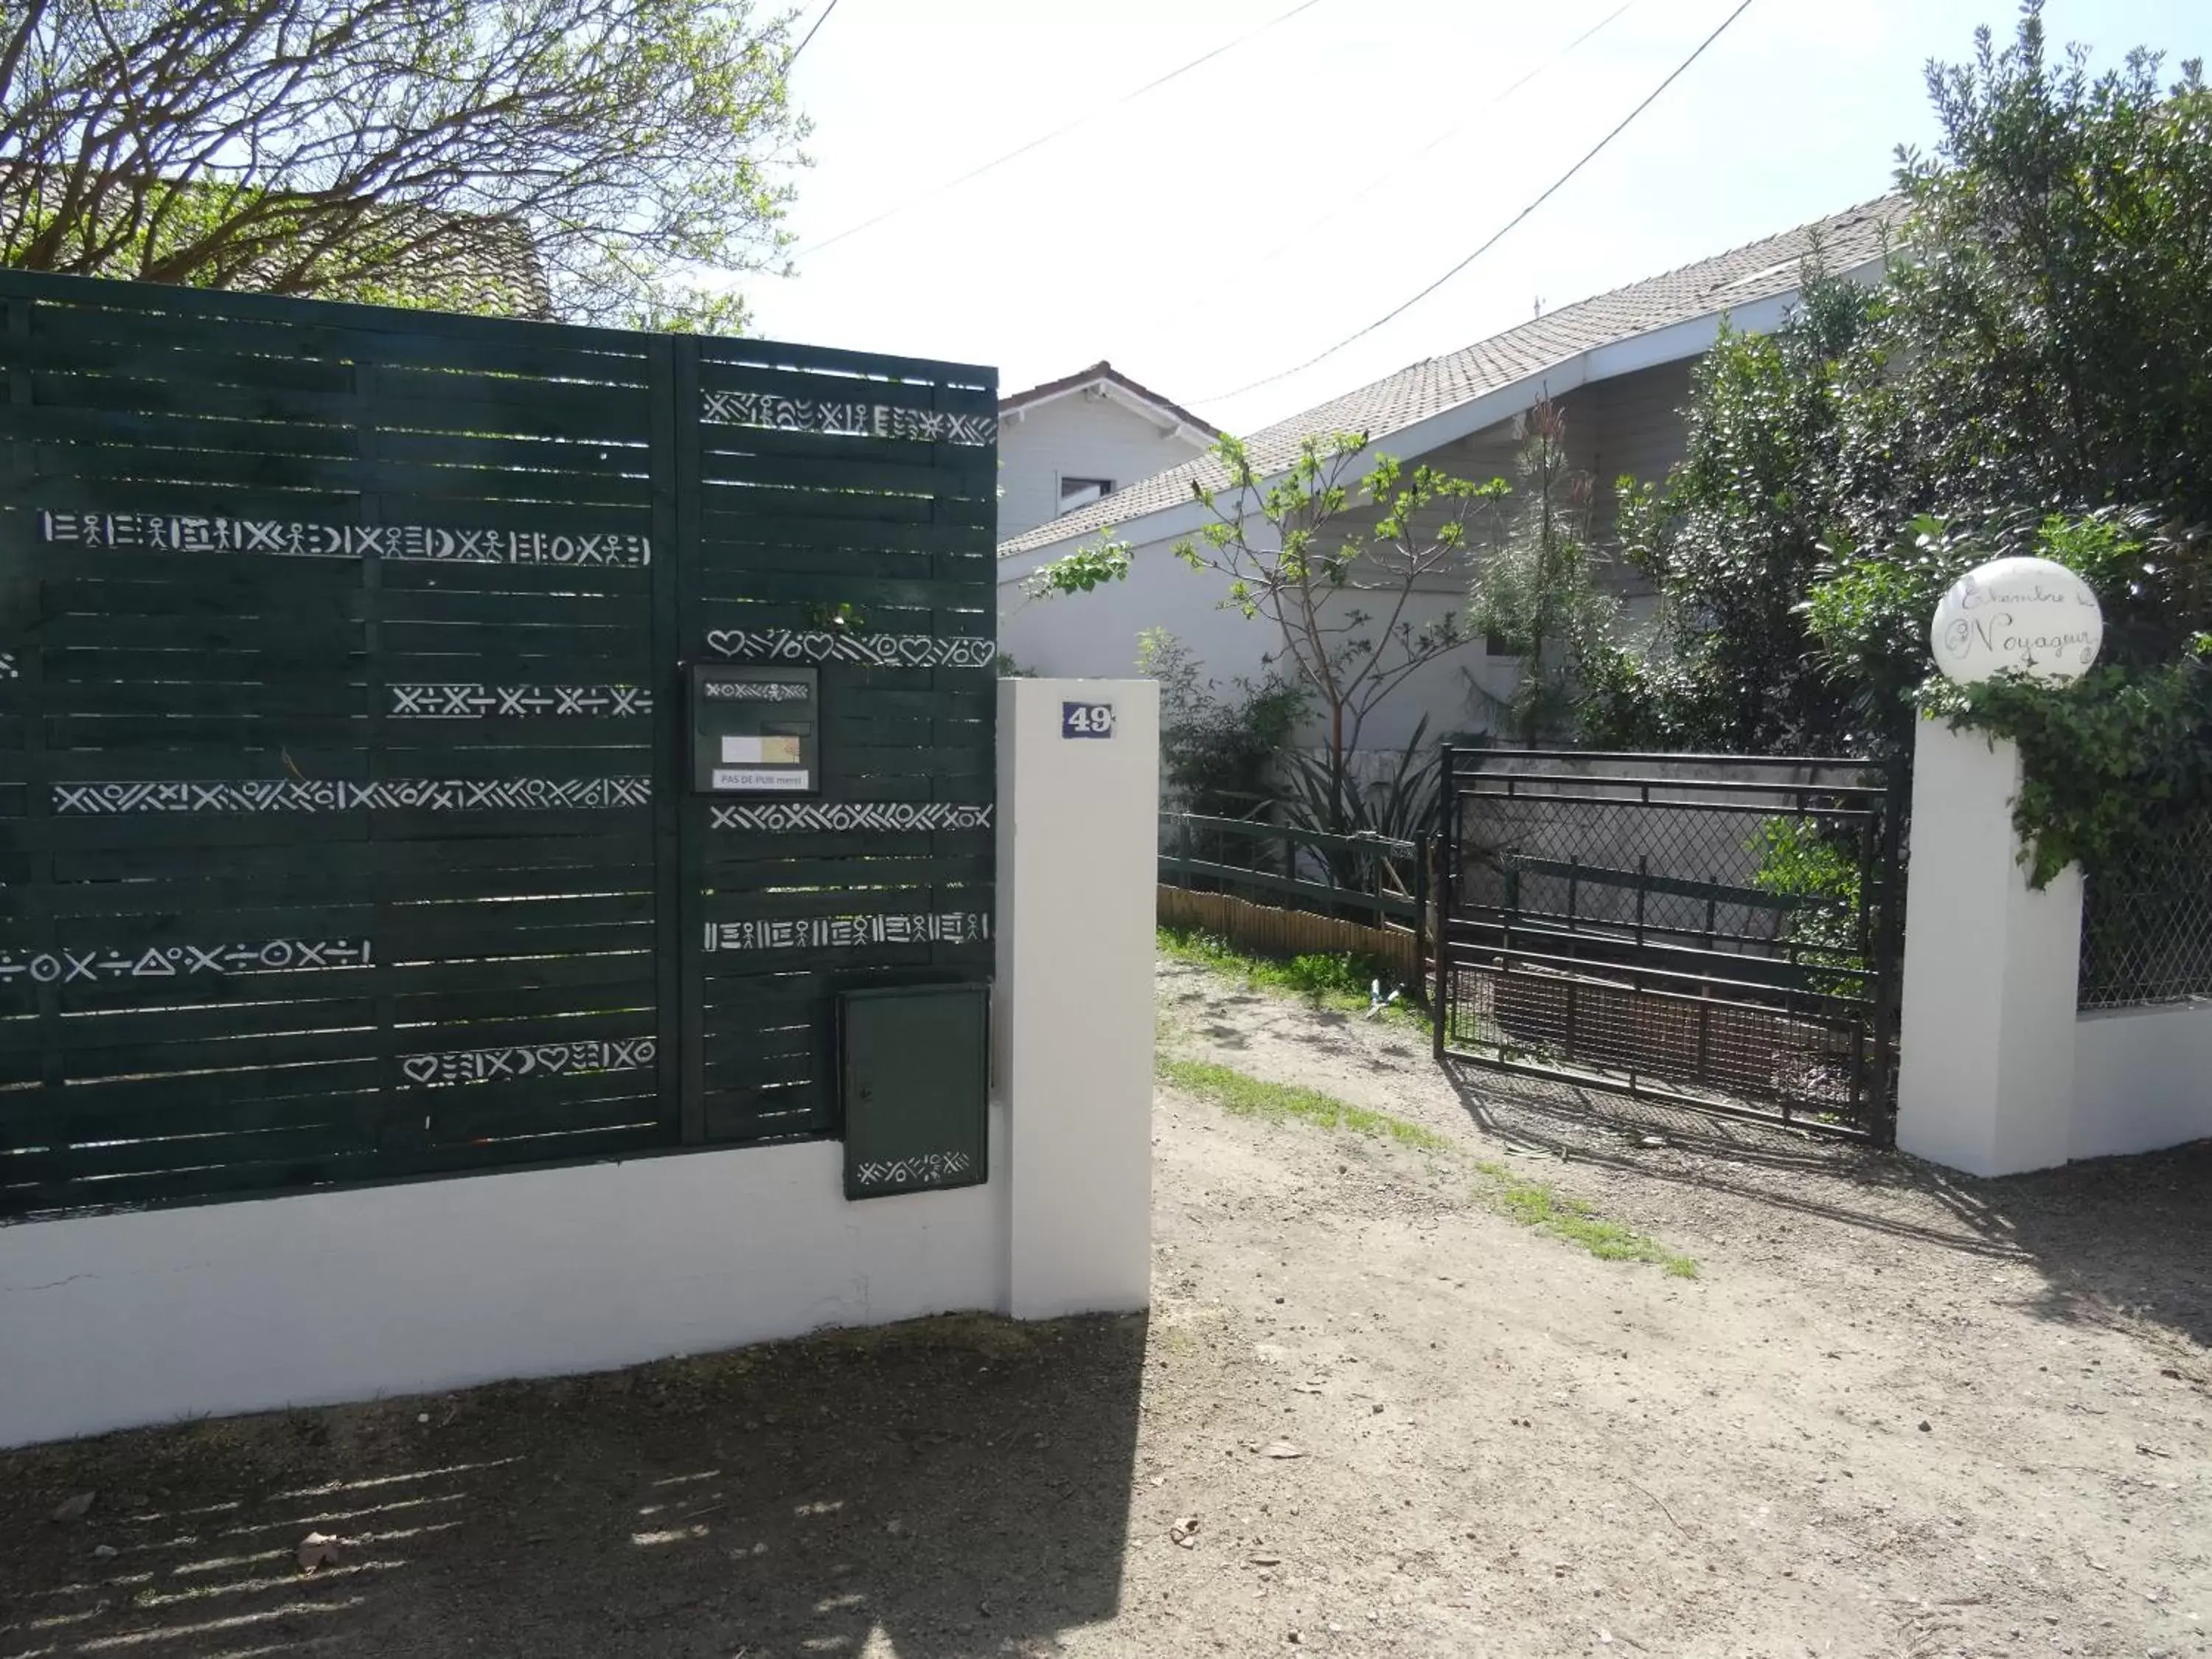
x=2030, y=617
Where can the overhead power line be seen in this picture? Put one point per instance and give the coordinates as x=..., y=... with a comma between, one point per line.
x=1499, y=235
x=1038, y=142
x=811, y=33
x=1383, y=177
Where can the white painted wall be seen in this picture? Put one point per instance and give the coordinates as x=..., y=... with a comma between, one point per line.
x=1079, y=436
x=108, y=1322
x=1998, y=1072
x=1083, y=635
x=1075, y=992
x=2143, y=1078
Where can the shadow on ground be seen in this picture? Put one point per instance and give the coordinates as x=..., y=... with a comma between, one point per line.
x=954, y=1486
x=2114, y=1238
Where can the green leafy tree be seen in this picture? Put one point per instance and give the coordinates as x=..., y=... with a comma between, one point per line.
x=2031, y=380
x=1535, y=594
x=2048, y=342
x=1802, y=859
x=1089, y=567
x=2049, y=331
x=1332, y=557
x=1335, y=557
x=432, y=151
x=1736, y=536
x=1218, y=747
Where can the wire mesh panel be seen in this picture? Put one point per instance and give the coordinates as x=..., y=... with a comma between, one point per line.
x=2146, y=928
x=1718, y=930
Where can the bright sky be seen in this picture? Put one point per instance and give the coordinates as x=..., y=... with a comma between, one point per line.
x=1262, y=207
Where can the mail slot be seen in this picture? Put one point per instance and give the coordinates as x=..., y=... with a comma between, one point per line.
x=755, y=731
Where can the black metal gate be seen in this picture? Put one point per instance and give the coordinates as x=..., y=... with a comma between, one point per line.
x=1720, y=932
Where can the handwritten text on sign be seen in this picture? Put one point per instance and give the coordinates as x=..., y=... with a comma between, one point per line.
x=1086, y=719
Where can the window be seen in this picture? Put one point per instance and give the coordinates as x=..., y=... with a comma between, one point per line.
x=1081, y=492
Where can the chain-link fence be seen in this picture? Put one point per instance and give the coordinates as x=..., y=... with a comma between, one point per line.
x=2147, y=929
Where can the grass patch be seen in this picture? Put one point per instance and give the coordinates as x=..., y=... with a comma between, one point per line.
x=1248, y=1097
x=1339, y=980
x=1507, y=1192
x=1533, y=1204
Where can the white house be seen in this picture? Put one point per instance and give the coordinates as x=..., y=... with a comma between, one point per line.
x=1070, y=443
x=1618, y=365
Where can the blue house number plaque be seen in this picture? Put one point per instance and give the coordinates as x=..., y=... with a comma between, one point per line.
x=1086, y=719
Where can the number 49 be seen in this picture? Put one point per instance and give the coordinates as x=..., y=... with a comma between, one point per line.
x=1092, y=720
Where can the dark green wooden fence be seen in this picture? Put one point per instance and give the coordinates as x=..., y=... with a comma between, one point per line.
x=345, y=827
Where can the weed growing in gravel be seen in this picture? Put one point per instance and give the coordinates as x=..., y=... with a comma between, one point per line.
x=1248, y=1097
x=1341, y=979
x=1533, y=1204
x=1515, y=1196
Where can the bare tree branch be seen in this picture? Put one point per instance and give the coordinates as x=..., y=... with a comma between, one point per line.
x=372, y=148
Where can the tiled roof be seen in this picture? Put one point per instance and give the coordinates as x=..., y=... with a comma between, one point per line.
x=457, y=261
x=1102, y=370
x=489, y=267
x=1758, y=270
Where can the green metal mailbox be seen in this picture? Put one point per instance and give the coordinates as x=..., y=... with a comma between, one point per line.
x=755, y=731
x=913, y=1072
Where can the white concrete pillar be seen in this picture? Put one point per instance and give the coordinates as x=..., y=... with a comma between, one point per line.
x=1078, y=862
x=1986, y=1034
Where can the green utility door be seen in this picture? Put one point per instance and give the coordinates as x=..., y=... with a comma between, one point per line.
x=914, y=1066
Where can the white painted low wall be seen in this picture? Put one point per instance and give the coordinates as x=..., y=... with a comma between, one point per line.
x=2143, y=1078
x=1999, y=1073
x=108, y=1321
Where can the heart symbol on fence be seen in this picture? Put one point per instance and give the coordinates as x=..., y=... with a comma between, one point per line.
x=420, y=1068
x=553, y=1057
x=916, y=649
x=722, y=641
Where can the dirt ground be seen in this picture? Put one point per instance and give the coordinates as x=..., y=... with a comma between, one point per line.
x=1895, y=1414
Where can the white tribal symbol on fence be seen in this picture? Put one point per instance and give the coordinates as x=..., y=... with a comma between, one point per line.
x=875, y=650
x=922, y=1166
x=317, y=795
x=833, y=818
x=846, y=420
x=167, y=961
x=838, y=933
x=530, y=1060
x=162, y=532
x=473, y=701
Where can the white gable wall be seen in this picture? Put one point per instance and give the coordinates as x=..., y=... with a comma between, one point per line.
x=1080, y=436
x=1094, y=636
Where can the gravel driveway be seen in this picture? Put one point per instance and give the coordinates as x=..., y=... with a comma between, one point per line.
x=1894, y=1414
